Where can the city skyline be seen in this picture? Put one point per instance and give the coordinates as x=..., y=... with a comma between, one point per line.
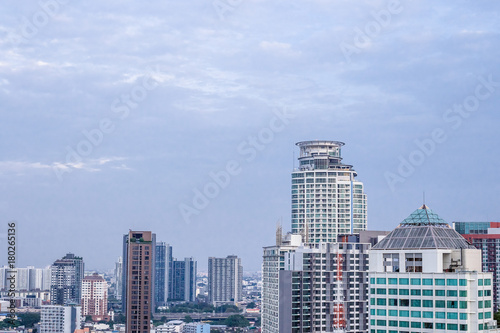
x=116, y=117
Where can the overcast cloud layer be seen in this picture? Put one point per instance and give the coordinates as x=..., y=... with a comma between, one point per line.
x=115, y=113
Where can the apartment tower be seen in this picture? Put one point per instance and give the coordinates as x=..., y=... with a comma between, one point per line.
x=327, y=200
x=138, y=265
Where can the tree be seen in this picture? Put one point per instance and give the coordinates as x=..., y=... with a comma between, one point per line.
x=237, y=321
x=188, y=319
x=88, y=318
x=497, y=318
x=29, y=319
x=251, y=305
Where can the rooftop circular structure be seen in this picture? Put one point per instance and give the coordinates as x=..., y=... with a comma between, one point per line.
x=320, y=143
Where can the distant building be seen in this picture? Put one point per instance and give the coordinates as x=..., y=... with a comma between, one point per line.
x=163, y=267
x=486, y=237
x=60, y=319
x=138, y=266
x=183, y=287
x=119, y=278
x=66, y=280
x=196, y=328
x=425, y=277
x=225, y=277
x=95, y=297
x=173, y=326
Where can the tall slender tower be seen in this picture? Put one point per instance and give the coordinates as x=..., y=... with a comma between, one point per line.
x=327, y=200
x=138, y=266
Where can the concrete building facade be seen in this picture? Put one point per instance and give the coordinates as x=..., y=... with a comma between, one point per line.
x=225, y=280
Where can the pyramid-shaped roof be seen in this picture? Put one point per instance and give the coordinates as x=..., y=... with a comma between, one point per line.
x=423, y=229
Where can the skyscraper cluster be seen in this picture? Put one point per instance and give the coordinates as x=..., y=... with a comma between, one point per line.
x=332, y=275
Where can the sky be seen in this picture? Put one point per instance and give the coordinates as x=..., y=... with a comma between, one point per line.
x=181, y=117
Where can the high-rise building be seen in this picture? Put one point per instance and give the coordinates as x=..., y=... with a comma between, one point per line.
x=119, y=278
x=324, y=287
x=327, y=200
x=66, y=280
x=60, y=319
x=183, y=280
x=225, y=280
x=273, y=263
x=163, y=267
x=138, y=265
x=425, y=277
x=486, y=237
x=95, y=297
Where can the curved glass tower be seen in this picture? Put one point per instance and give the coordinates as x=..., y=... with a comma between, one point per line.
x=327, y=200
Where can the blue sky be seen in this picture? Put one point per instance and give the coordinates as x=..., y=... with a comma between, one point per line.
x=113, y=114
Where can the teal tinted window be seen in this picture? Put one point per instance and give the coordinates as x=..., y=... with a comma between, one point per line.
x=487, y=282
x=439, y=293
x=463, y=293
x=440, y=315
x=393, y=281
x=404, y=324
x=452, y=327
x=393, y=323
x=372, y=280
x=393, y=302
x=463, y=305
x=452, y=315
x=381, y=312
x=427, y=282
x=452, y=304
x=416, y=303
x=404, y=281
x=416, y=314
x=404, y=291
x=427, y=303
x=427, y=314
x=393, y=313
x=480, y=315
x=427, y=292
x=463, y=282
x=439, y=282
x=416, y=292
x=487, y=304
x=381, y=322
x=480, y=304
x=451, y=282
x=404, y=313
x=372, y=290
x=381, y=281
x=381, y=291
x=440, y=326
x=440, y=304
x=372, y=301
x=393, y=291
x=463, y=327
x=381, y=301
x=480, y=282
x=452, y=293
x=416, y=324
x=415, y=282
x=487, y=315
x=372, y=312
x=463, y=316
x=481, y=327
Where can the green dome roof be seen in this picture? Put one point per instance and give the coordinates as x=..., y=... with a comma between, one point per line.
x=423, y=229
